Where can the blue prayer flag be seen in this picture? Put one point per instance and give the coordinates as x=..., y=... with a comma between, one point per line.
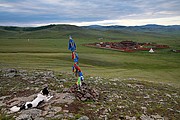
x=72, y=44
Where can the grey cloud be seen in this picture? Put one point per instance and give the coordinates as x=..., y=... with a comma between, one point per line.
x=91, y=10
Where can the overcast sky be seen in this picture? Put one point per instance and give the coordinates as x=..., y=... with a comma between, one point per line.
x=89, y=12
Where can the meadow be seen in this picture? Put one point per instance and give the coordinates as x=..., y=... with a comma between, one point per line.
x=53, y=54
x=131, y=85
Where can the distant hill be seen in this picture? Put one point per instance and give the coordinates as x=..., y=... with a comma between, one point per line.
x=144, y=28
x=93, y=31
x=49, y=31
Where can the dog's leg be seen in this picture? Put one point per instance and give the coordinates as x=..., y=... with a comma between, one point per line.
x=40, y=102
x=49, y=97
x=23, y=107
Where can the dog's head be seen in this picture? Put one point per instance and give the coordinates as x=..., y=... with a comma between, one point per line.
x=45, y=91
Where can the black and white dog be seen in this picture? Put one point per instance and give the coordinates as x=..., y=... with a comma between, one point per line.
x=43, y=96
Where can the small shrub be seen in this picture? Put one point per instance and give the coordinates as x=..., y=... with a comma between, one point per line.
x=4, y=116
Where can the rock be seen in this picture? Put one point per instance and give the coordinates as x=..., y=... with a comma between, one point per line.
x=29, y=114
x=59, y=116
x=168, y=95
x=83, y=118
x=120, y=107
x=70, y=115
x=157, y=117
x=65, y=90
x=44, y=113
x=84, y=93
x=130, y=118
x=4, y=97
x=105, y=112
x=57, y=109
x=83, y=99
x=66, y=106
x=115, y=84
x=62, y=80
x=60, y=98
x=122, y=117
x=87, y=95
x=93, y=106
x=24, y=117
x=65, y=111
x=104, y=117
x=139, y=86
x=11, y=73
x=11, y=70
x=145, y=117
x=144, y=109
x=50, y=114
x=147, y=97
x=34, y=112
x=2, y=104
x=114, y=79
x=61, y=86
x=129, y=85
x=39, y=118
x=68, y=96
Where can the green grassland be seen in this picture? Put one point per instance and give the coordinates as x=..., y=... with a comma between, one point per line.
x=47, y=49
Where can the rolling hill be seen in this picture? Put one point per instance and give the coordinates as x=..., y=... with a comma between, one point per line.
x=94, y=31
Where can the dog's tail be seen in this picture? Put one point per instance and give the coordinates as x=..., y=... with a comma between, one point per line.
x=15, y=109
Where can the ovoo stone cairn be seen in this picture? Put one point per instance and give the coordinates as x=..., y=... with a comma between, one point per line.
x=81, y=90
x=85, y=92
x=75, y=68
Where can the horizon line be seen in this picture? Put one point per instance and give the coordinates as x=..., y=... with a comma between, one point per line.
x=41, y=25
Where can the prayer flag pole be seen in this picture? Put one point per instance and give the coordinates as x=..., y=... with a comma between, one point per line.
x=76, y=69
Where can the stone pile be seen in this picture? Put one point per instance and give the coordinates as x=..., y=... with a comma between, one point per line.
x=12, y=72
x=84, y=93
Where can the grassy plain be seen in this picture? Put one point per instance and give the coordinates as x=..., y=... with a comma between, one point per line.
x=128, y=95
x=52, y=54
